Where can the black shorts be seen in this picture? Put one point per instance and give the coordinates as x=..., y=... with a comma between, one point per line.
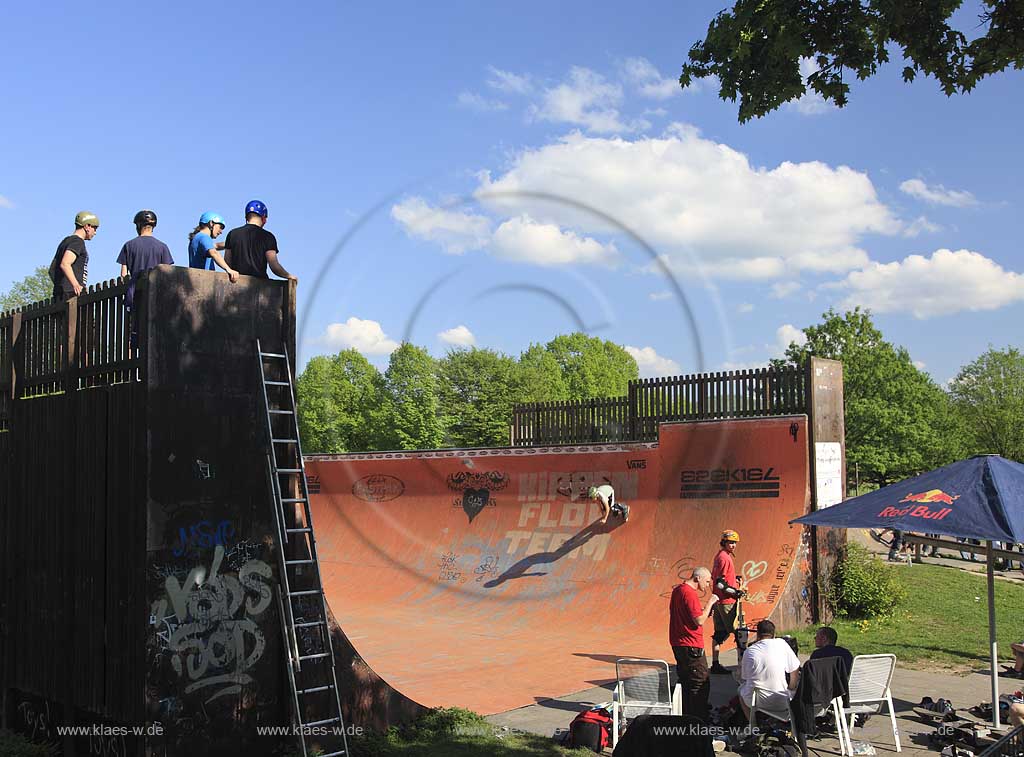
x=724, y=616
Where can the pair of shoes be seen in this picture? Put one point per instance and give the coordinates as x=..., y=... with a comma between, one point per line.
x=719, y=669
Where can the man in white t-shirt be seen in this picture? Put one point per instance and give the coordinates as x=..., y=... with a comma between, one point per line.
x=770, y=666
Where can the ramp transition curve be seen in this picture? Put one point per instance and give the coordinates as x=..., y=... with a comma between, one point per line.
x=481, y=578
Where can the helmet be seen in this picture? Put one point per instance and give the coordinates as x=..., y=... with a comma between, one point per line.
x=592, y=492
x=257, y=207
x=85, y=218
x=211, y=218
x=145, y=218
x=731, y=536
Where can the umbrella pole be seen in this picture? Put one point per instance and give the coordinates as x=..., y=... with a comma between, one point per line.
x=990, y=560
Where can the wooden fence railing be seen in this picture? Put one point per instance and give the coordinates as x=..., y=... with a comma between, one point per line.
x=50, y=346
x=648, y=402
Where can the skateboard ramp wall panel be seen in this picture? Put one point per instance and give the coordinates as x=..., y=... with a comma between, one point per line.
x=484, y=579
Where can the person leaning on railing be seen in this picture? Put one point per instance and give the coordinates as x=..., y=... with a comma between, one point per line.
x=69, y=269
x=249, y=249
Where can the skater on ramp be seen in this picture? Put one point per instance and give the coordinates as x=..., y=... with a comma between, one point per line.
x=728, y=588
x=605, y=494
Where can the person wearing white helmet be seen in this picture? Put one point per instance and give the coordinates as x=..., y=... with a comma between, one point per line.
x=605, y=494
x=69, y=269
x=727, y=588
x=204, y=250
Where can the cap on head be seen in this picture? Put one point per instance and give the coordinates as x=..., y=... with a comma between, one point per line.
x=731, y=536
x=145, y=218
x=211, y=218
x=257, y=207
x=85, y=218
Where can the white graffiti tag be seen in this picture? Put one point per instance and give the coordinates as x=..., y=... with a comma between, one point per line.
x=210, y=629
x=752, y=570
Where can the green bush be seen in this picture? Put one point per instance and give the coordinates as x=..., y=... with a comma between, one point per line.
x=864, y=587
x=14, y=745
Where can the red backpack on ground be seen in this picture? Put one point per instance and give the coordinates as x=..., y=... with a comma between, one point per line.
x=591, y=729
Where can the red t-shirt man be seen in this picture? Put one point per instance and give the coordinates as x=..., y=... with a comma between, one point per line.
x=684, y=609
x=686, y=635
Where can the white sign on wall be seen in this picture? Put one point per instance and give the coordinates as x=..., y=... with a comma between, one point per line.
x=828, y=471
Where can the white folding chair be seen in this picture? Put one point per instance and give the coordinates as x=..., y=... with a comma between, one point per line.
x=773, y=704
x=869, y=684
x=642, y=687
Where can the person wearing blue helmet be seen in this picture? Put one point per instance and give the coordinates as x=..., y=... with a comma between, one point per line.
x=203, y=250
x=251, y=248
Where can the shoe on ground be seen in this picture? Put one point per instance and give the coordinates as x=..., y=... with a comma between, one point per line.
x=718, y=745
x=719, y=669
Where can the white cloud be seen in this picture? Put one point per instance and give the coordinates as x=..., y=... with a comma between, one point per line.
x=523, y=239
x=366, y=336
x=730, y=365
x=587, y=99
x=694, y=198
x=810, y=103
x=920, y=365
x=919, y=225
x=5, y=203
x=945, y=283
x=937, y=194
x=648, y=80
x=785, y=335
x=783, y=289
x=506, y=81
x=460, y=336
x=658, y=296
x=651, y=363
x=745, y=307
x=480, y=103
x=456, y=231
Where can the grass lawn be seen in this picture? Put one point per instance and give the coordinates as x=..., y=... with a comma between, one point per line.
x=943, y=624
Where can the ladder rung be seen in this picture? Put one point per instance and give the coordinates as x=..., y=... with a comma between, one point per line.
x=284, y=441
x=309, y=624
x=282, y=412
x=304, y=593
x=293, y=499
x=316, y=656
x=273, y=354
x=320, y=722
x=289, y=470
x=334, y=754
x=328, y=687
x=276, y=383
x=298, y=562
x=299, y=530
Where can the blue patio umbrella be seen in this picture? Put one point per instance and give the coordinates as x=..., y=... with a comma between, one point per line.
x=978, y=498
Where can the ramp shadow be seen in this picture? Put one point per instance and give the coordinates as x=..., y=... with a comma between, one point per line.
x=519, y=569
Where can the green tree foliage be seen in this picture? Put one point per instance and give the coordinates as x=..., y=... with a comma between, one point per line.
x=540, y=376
x=34, y=287
x=755, y=49
x=478, y=389
x=341, y=398
x=898, y=421
x=989, y=396
x=592, y=367
x=412, y=418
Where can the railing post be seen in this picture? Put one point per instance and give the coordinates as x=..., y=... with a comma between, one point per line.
x=71, y=334
x=631, y=411
x=17, y=354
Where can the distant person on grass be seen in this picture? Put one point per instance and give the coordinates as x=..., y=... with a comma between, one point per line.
x=605, y=494
x=249, y=249
x=204, y=250
x=69, y=269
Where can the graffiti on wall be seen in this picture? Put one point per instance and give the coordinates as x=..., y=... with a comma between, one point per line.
x=477, y=490
x=208, y=623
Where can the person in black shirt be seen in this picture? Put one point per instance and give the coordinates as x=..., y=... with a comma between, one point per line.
x=69, y=269
x=825, y=641
x=251, y=248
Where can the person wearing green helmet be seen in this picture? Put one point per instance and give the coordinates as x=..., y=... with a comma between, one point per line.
x=605, y=495
x=204, y=250
x=69, y=269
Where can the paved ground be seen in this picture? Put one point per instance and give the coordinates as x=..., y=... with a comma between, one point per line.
x=909, y=686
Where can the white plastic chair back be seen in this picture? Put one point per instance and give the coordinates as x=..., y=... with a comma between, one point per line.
x=642, y=687
x=870, y=677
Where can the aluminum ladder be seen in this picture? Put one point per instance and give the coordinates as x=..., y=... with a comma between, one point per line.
x=302, y=607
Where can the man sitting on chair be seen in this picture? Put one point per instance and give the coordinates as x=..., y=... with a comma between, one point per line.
x=770, y=666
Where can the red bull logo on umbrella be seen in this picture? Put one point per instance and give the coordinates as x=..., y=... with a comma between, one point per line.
x=919, y=508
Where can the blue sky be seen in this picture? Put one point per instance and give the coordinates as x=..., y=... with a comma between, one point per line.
x=473, y=173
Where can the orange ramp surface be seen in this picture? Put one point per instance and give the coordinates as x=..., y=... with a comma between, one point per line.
x=481, y=579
